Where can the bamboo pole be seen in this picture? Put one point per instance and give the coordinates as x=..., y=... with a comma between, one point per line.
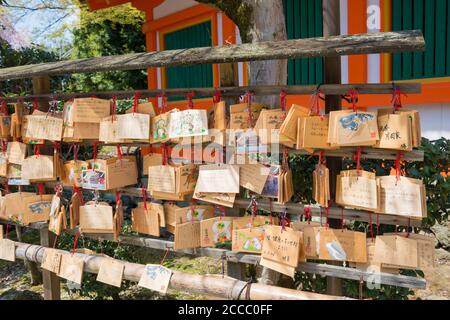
x=211, y=285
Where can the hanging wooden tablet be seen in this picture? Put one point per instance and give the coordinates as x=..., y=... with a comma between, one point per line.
x=161, y=179
x=357, y=189
x=216, y=232
x=219, y=178
x=133, y=126
x=403, y=196
x=253, y=177
x=219, y=116
x=321, y=185
x=3, y=164
x=145, y=221
x=394, y=250
x=72, y=172
x=188, y=123
x=118, y=220
x=289, y=126
x=194, y=213
x=16, y=152
x=111, y=272
x=342, y=245
x=96, y=218
x=44, y=127
x=249, y=222
x=35, y=208
x=39, y=168
x=5, y=126
x=7, y=250
x=414, y=117
x=150, y=160
x=74, y=212
x=1, y=229
x=159, y=208
x=221, y=199
x=313, y=133
x=311, y=237
x=89, y=110
x=372, y=265
x=71, y=268
x=272, y=186
x=187, y=235
x=51, y=260
x=160, y=128
x=359, y=128
x=395, y=132
x=156, y=278
x=57, y=217
x=248, y=240
x=282, y=249
x=425, y=250
x=109, y=174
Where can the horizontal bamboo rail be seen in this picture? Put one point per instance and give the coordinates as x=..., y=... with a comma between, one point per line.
x=334, y=89
x=321, y=269
x=211, y=285
x=383, y=42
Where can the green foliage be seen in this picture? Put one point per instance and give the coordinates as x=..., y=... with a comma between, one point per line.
x=114, y=31
x=11, y=58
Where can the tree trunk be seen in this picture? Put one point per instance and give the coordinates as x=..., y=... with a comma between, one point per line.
x=267, y=23
x=259, y=21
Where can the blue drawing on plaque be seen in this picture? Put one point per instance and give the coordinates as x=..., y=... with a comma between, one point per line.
x=353, y=120
x=39, y=207
x=153, y=272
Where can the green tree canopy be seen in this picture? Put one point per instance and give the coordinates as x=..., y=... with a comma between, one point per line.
x=112, y=31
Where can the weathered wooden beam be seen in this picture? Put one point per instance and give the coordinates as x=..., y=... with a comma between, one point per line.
x=333, y=213
x=383, y=42
x=217, y=286
x=368, y=153
x=335, y=89
x=298, y=209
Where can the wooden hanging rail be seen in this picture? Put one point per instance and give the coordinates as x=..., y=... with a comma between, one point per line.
x=298, y=209
x=382, y=42
x=334, y=89
x=308, y=267
x=368, y=153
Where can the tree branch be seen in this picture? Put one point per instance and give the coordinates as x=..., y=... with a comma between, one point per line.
x=44, y=7
x=238, y=11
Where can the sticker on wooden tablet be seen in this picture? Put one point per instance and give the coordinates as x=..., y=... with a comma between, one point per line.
x=111, y=272
x=156, y=278
x=7, y=250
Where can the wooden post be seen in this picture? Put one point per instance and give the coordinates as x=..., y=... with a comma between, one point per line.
x=36, y=276
x=52, y=287
x=331, y=27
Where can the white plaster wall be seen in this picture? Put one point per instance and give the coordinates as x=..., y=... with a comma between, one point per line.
x=169, y=7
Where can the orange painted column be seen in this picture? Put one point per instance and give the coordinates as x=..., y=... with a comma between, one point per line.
x=357, y=23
